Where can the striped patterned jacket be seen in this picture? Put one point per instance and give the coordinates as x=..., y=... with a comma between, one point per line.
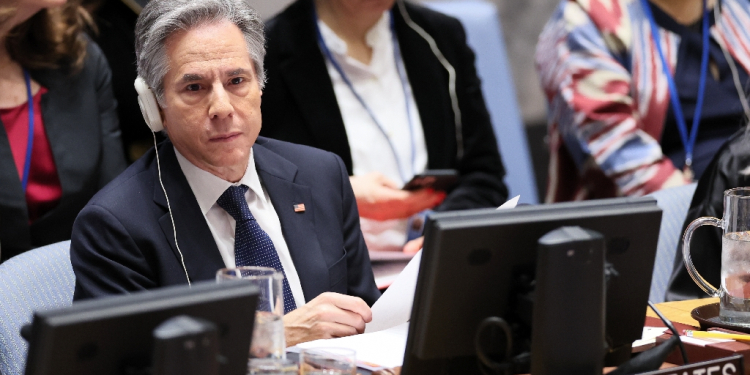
x=608, y=96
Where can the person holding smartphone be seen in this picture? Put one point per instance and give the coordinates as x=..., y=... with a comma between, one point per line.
x=356, y=78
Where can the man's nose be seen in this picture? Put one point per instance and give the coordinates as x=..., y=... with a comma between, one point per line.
x=220, y=105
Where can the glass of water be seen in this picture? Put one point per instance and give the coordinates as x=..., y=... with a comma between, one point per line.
x=272, y=366
x=268, y=331
x=327, y=361
x=734, y=291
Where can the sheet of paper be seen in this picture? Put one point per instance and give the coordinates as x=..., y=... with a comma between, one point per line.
x=701, y=341
x=374, y=350
x=394, y=306
x=511, y=203
x=649, y=336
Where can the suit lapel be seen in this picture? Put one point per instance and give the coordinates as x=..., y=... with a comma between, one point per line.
x=304, y=71
x=73, y=167
x=277, y=175
x=428, y=80
x=201, y=255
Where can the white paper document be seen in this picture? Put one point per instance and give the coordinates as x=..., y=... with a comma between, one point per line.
x=511, y=203
x=374, y=350
x=649, y=336
x=394, y=306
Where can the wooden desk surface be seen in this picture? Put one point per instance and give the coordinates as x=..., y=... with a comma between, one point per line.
x=679, y=311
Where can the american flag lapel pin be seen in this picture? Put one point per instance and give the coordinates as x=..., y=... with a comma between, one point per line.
x=299, y=207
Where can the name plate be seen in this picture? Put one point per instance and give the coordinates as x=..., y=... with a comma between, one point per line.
x=722, y=366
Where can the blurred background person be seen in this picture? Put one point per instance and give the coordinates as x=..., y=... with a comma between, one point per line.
x=354, y=78
x=642, y=93
x=59, y=139
x=115, y=35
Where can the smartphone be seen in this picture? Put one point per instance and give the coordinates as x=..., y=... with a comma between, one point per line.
x=436, y=179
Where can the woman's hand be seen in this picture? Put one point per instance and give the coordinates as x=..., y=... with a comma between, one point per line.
x=379, y=198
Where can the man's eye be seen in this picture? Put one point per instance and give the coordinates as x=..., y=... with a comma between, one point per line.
x=237, y=80
x=194, y=87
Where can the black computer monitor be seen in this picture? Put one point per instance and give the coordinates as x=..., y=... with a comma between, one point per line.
x=114, y=334
x=480, y=263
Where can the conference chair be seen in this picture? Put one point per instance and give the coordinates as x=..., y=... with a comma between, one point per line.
x=674, y=203
x=485, y=37
x=38, y=279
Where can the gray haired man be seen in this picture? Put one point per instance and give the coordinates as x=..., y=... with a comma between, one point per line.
x=215, y=194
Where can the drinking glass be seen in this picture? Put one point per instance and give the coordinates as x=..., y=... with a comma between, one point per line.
x=327, y=361
x=734, y=292
x=273, y=366
x=268, y=331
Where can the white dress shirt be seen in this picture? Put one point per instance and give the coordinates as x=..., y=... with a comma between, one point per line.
x=207, y=189
x=380, y=86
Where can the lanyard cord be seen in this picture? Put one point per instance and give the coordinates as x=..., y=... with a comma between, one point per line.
x=30, y=142
x=688, y=139
x=404, y=84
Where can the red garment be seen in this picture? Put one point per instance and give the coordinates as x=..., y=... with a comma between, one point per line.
x=43, y=190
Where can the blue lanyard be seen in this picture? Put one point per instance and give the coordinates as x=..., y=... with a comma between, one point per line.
x=30, y=142
x=404, y=85
x=688, y=139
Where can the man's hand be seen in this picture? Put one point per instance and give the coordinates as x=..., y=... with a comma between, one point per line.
x=327, y=316
x=381, y=199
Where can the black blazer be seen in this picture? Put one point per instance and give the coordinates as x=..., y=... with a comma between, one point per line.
x=299, y=104
x=80, y=119
x=708, y=200
x=123, y=239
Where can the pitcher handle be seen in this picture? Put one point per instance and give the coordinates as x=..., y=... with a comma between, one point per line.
x=702, y=283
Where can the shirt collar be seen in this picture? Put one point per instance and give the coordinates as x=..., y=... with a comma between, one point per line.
x=207, y=187
x=377, y=35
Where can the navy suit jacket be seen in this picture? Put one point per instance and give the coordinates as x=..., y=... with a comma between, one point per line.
x=123, y=239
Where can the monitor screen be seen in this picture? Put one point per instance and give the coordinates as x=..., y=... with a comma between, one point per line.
x=481, y=263
x=113, y=334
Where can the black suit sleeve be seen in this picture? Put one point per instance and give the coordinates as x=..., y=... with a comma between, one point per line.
x=481, y=169
x=105, y=258
x=360, y=281
x=724, y=172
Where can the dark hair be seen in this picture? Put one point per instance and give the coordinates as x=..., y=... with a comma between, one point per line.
x=51, y=38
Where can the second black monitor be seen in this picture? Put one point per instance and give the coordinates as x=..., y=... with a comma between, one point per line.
x=475, y=264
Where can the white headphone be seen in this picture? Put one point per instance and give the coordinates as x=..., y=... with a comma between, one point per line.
x=149, y=106
x=150, y=112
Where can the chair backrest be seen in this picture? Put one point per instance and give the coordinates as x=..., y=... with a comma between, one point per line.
x=674, y=203
x=485, y=37
x=38, y=279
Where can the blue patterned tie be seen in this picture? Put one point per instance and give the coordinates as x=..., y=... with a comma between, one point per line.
x=252, y=245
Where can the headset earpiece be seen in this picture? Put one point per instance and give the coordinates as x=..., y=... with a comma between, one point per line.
x=150, y=112
x=149, y=106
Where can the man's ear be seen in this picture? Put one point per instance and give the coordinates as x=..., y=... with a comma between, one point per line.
x=164, y=123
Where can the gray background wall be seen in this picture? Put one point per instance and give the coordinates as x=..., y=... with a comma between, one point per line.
x=522, y=21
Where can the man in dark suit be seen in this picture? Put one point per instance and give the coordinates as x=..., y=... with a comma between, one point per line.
x=181, y=212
